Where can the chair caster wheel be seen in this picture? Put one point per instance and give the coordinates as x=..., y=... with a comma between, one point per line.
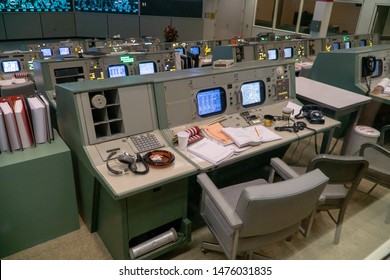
x=204, y=251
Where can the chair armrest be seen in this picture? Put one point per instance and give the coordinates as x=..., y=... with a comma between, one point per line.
x=375, y=147
x=217, y=198
x=384, y=129
x=285, y=171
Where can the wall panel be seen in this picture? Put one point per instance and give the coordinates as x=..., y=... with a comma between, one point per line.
x=56, y=25
x=22, y=25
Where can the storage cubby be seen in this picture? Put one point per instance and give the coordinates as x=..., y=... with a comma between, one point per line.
x=106, y=113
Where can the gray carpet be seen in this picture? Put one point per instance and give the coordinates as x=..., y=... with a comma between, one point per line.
x=363, y=231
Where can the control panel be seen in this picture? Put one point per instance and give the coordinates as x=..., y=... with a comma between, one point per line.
x=242, y=90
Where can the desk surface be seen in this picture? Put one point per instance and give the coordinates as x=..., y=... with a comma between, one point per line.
x=287, y=138
x=328, y=96
x=382, y=98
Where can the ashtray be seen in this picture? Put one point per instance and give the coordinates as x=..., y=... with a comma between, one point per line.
x=159, y=158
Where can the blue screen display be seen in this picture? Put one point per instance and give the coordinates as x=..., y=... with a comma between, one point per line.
x=36, y=6
x=107, y=6
x=211, y=101
x=195, y=49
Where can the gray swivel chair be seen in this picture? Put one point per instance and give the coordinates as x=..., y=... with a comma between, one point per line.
x=379, y=163
x=342, y=171
x=250, y=215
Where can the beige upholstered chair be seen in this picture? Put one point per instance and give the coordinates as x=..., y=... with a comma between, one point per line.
x=250, y=215
x=342, y=171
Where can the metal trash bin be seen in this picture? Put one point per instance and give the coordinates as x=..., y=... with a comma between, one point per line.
x=360, y=135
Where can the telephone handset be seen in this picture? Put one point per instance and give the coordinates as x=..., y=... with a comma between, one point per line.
x=313, y=113
x=368, y=65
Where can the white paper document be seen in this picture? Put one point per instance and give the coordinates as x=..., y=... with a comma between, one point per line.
x=210, y=151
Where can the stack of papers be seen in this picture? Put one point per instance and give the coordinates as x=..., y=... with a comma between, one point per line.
x=251, y=135
x=210, y=151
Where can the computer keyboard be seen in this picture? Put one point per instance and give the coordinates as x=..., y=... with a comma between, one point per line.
x=146, y=142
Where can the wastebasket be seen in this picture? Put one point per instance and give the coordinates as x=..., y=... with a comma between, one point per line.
x=360, y=135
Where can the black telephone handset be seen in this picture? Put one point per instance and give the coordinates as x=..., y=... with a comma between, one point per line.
x=368, y=65
x=313, y=113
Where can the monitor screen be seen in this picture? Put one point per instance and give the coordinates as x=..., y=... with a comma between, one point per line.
x=378, y=69
x=211, y=101
x=336, y=45
x=64, y=50
x=252, y=93
x=348, y=44
x=273, y=54
x=10, y=66
x=195, y=49
x=288, y=52
x=180, y=50
x=115, y=71
x=47, y=52
x=363, y=43
x=147, y=67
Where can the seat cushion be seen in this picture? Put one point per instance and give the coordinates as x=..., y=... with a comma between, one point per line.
x=334, y=192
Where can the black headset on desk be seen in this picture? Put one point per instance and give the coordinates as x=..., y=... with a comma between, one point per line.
x=131, y=162
x=296, y=127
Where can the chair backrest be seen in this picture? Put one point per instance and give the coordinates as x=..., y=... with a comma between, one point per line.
x=274, y=207
x=340, y=169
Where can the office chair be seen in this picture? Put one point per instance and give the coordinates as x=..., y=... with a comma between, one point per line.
x=250, y=215
x=378, y=158
x=341, y=170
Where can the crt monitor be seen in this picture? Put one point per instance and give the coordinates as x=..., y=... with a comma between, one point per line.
x=363, y=42
x=288, y=52
x=378, y=69
x=195, y=49
x=336, y=46
x=47, y=52
x=194, y=59
x=211, y=101
x=348, y=44
x=272, y=54
x=252, y=93
x=10, y=66
x=64, y=51
x=180, y=50
x=147, y=67
x=115, y=71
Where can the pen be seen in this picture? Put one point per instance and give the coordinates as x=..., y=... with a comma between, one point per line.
x=257, y=132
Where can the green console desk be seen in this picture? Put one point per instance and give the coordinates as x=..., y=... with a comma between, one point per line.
x=37, y=196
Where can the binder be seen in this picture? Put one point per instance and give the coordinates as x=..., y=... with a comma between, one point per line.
x=4, y=142
x=48, y=116
x=39, y=119
x=23, y=121
x=10, y=125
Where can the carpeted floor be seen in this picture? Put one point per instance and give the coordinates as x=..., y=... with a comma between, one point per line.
x=363, y=231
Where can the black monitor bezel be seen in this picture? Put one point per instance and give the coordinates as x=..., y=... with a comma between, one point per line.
x=223, y=101
x=262, y=94
x=51, y=52
x=292, y=52
x=10, y=60
x=379, y=67
x=117, y=65
x=198, y=49
x=64, y=47
x=147, y=62
x=276, y=54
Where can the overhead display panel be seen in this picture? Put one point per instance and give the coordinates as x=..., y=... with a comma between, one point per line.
x=35, y=6
x=107, y=6
x=174, y=8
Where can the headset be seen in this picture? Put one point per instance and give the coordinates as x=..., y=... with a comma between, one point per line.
x=128, y=159
x=296, y=127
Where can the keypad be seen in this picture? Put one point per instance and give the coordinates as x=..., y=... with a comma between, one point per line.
x=146, y=142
